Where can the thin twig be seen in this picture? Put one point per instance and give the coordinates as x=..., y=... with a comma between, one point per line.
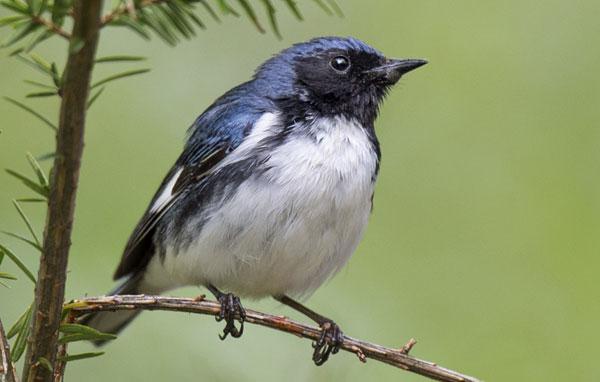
x=59, y=369
x=61, y=364
x=128, y=8
x=408, y=346
x=51, y=26
x=7, y=369
x=362, y=349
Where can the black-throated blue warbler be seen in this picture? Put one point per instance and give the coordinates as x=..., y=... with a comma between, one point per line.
x=273, y=189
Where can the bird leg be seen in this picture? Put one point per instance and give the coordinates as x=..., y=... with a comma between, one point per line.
x=231, y=310
x=331, y=336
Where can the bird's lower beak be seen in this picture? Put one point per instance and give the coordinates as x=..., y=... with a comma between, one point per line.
x=390, y=72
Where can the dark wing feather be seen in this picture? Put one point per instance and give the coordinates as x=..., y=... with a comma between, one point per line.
x=139, y=247
x=217, y=132
x=194, y=174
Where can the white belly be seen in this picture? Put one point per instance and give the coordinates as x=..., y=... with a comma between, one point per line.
x=284, y=231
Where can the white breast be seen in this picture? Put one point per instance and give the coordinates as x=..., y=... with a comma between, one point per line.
x=288, y=229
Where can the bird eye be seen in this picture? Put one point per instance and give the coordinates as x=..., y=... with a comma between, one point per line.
x=340, y=63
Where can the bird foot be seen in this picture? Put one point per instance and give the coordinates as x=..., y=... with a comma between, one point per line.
x=231, y=311
x=328, y=343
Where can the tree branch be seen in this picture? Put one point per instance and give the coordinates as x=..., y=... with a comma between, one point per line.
x=129, y=8
x=61, y=364
x=51, y=26
x=362, y=349
x=7, y=369
x=52, y=274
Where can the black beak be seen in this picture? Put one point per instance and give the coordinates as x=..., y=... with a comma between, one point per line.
x=390, y=72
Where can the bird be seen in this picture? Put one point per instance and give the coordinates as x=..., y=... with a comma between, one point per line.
x=273, y=189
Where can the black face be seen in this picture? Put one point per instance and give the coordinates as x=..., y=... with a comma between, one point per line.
x=348, y=82
x=336, y=77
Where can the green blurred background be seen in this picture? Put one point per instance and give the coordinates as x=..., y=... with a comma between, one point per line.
x=483, y=244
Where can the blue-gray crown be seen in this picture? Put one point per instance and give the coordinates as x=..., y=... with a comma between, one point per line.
x=277, y=74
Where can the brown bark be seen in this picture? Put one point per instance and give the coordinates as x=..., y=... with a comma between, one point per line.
x=7, y=369
x=50, y=287
x=396, y=357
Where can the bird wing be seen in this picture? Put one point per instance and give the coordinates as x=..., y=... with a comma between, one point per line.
x=217, y=132
x=139, y=247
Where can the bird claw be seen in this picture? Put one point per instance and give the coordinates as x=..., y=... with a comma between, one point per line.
x=328, y=343
x=231, y=311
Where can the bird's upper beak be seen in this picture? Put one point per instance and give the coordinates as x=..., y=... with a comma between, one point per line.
x=390, y=72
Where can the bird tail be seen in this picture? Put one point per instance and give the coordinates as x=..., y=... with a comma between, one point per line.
x=114, y=322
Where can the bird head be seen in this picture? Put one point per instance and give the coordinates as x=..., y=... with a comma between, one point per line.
x=332, y=76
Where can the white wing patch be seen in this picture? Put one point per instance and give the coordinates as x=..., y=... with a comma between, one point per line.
x=265, y=126
x=167, y=192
